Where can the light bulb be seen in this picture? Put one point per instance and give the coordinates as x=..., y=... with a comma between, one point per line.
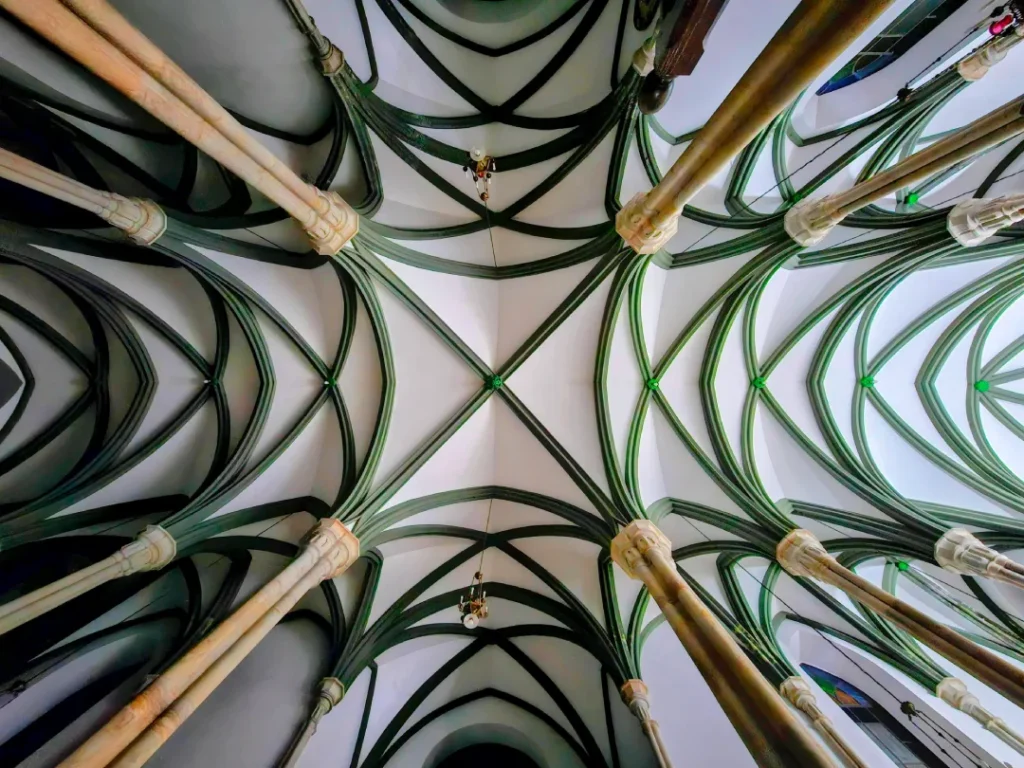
x=469, y=621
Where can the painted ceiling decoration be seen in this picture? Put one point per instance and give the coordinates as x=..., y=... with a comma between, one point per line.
x=311, y=314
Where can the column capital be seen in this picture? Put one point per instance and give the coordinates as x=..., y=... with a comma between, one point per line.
x=636, y=696
x=977, y=63
x=336, y=224
x=974, y=221
x=809, y=221
x=960, y=551
x=954, y=692
x=149, y=551
x=643, y=58
x=332, y=60
x=328, y=696
x=634, y=224
x=796, y=690
x=142, y=220
x=801, y=554
x=335, y=542
x=633, y=542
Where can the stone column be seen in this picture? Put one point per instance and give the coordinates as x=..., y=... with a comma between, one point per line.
x=99, y=38
x=141, y=220
x=809, y=221
x=799, y=693
x=768, y=727
x=977, y=63
x=814, y=34
x=974, y=221
x=801, y=554
x=137, y=731
x=636, y=697
x=954, y=692
x=328, y=697
x=151, y=549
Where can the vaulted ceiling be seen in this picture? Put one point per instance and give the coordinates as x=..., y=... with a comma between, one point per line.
x=492, y=385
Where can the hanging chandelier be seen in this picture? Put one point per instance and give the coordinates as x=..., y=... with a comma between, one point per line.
x=473, y=607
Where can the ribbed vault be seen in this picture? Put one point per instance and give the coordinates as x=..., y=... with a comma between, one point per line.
x=500, y=382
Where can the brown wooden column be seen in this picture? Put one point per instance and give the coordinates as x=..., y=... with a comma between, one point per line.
x=768, y=727
x=137, y=731
x=809, y=41
x=801, y=554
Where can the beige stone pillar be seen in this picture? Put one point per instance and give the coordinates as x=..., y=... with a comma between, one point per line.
x=801, y=554
x=978, y=62
x=151, y=549
x=142, y=220
x=100, y=39
x=770, y=730
x=954, y=692
x=328, y=696
x=809, y=41
x=138, y=730
x=637, y=698
x=809, y=221
x=974, y=221
x=799, y=693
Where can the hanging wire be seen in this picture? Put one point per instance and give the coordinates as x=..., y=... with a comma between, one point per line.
x=832, y=643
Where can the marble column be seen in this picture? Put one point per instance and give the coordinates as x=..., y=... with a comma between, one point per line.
x=810, y=39
x=329, y=695
x=799, y=693
x=141, y=220
x=810, y=221
x=974, y=221
x=152, y=549
x=771, y=731
x=954, y=692
x=140, y=728
x=636, y=696
x=801, y=554
x=94, y=34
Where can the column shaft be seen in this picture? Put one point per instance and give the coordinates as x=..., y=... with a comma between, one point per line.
x=985, y=132
x=329, y=222
x=768, y=727
x=814, y=34
x=801, y=554
x=153, y=549
x=799, y=693
x=329, y=541
x=142, y=220
x=103, y=18
x=157, y=734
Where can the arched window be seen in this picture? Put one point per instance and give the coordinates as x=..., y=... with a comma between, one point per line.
x=891, y=736
x=909, y=28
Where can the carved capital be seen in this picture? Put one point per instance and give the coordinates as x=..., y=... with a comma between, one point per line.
x=335, y=225
x=799, y=693
x=976, y=64
x=801, y=554
x=636, y=696
x=335, y=543
x=152, y=549
x=960, y=551
x=634, y=224
x=330, y=694
x=643, y=58
x=332, y=60
x=809, y=221
x=635, y=541
x=142, y=220
x=972, y=222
